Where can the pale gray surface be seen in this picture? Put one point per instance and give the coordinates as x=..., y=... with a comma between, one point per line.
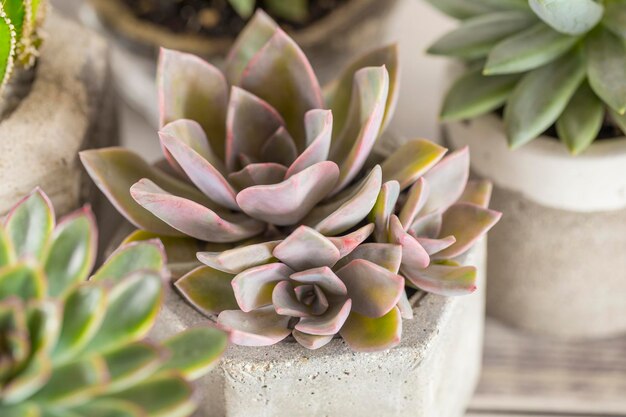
x=69, y=108
x=432, y=373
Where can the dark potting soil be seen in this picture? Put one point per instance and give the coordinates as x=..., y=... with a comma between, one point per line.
x=213, y=18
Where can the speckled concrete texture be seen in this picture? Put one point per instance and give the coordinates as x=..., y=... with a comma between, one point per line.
x=555, y=271
x=431, y=374
x=69, y=108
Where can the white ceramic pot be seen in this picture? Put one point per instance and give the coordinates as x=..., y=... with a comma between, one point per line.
x=432, y=373
x=557, y=259
x=69, y=107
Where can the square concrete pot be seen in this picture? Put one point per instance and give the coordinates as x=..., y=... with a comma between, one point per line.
x=557, y=259
x=432, y=373
x=329, y=43
x=67, y=106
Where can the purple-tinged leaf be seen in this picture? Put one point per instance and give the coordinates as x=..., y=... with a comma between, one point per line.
x=288, y=202
x=433, y=246
x=374, y=290
x=447, y=180
x=467, y=223
x=29, y=224
x=286, y=303
x=234, y=261
x=258, y=174
x=279, y=148
x=416, y=198
x=364, y=334
x=191, y=218
x=205, y=176
x=339, y=93
x=306, y=248
x=262, y=327
x=428, y=225
x=253, y=287
x=318, y=125
x=251, y=39
x=447, y=280
x=324, y=278
x=413, y=254
x=191, y=88
x=250, y=122
x=208, y=290
x=310, y=341
x=346, y=244
x=386, y=255
x=280, y=74
x=411, y=160
x=115, y=170
x=383, y=209
x=353, y=145
x=328, y=323
x=477, y=192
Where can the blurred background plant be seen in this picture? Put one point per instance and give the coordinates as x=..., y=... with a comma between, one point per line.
x=554, y=65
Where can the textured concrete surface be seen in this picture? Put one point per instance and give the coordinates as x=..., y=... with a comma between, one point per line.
x=557, y=272
x=431, y=374
x=69, y=108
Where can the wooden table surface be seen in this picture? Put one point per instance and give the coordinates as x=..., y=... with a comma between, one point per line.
x=527, y=375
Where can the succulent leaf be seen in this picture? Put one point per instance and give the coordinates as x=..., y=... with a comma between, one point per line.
x=572, y=17
x=444, y=279
x=615, y=17
x=208, y=290
x=606, y=62
x=29, y=225
x=447, y=181
x=410, y=161
x=261, y=327
x=366, y=334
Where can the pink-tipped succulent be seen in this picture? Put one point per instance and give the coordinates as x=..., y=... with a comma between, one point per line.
x=257, y=145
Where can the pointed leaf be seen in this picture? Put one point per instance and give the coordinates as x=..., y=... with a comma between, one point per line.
x=29, y=224
x=208, y=290
x=446, y=280
x=573, y=17
x=364, y=334
x=311, y=341
x=193, y=218
x=261, y=327
x=22, y=280
x=606, y=60
x=131, y=364
x=306, y=248
x=447, y=181
x=383, y=209
x=318, y=125
x=528, y=50
x=328, y=323
x=541, y=96
x=410, y=161
x=253, y=287
x=132, y=257
x=415, y=200
x=581, y=120
x=347, y=243
x=433, y=246
x=386, y=255
x=191, y=88
x=234, y=261
x=413, y=254
x=288, y=202
x=477, y=192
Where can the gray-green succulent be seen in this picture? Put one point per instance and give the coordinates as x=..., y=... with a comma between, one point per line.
x=558, y=62
x=71, y=347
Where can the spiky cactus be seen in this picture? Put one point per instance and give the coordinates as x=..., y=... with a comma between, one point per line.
x=20, y=38
x=74, y=347
x=293, y=10
x=280, y=176
x=547, y=62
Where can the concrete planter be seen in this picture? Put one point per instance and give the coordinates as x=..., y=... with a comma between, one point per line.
x=557, y=261
x=330, y=43
x=432, y=373
x=68, y=108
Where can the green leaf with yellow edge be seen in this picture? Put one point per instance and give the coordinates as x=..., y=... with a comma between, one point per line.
x=34, y=376
x=606, y=68
x=131, y=311
x=72, y=252
x=83, y=313
x=7, y=254
x=16, y=13
x=29, y=224
x=475, y=37
x=474, y=94
x=195, y=351
x=7, y=49
x=541, y=96
x=528, y=50
x=164, y=395
x=364, y=334
x=244, y=8
x=581, y=121
x=22, y=280
x=411, y=160
x=136, y=256
x=208, y=290
x=132, y=364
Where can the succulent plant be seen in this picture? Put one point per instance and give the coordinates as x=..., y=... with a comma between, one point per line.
x=20, y=21
x=254, y=147
x=293, y=10
x=70, y=347
x=548, y=62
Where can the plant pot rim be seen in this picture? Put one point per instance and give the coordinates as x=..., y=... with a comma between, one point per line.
x=543, y=170
x=116, y=16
